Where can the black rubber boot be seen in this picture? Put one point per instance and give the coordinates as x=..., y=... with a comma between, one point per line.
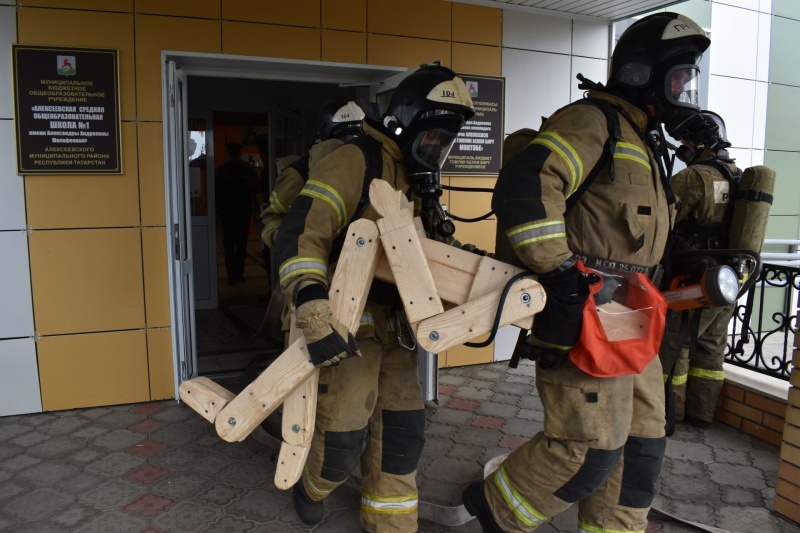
x=309, y=511
x=476, y=505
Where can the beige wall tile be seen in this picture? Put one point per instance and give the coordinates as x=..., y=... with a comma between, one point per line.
x=156, y=277
x=151, y=174
x=477, y=24
x=154, y=34
x=270, y=40
x=93, y=201
x=344, y=46
x=474, y=203
x=477, y=59
x=405, y=52
x=182, y=8
x=86, y=280
x=90, y=370
x=56, y=27
x=416, y=18
x=482, y=234
x=462, y=355
x=344, y=14
x=294, y=13
x=160, y=364
x=125, y=6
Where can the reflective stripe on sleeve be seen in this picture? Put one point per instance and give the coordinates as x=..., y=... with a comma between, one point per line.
x=514, y=500
x=713, y=375
x=275, y=204
x=631, y=152
x=536, y=232
x=567, y=154
x=372, y=503
x=302, y=265
x=326, y=193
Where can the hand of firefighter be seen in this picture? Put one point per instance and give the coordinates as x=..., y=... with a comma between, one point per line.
x=328, y=340
x=557, y=327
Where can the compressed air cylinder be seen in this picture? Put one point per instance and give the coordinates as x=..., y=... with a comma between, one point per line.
x=751, y=209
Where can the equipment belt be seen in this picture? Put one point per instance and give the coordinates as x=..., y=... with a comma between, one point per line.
x=611, y=265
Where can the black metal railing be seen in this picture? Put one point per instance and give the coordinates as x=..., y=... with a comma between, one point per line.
x=764, y=343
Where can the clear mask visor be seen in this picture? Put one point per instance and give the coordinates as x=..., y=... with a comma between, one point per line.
x=432, y=147
x=683, y=86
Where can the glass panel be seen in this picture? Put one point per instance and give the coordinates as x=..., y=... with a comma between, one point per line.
x=198, y=175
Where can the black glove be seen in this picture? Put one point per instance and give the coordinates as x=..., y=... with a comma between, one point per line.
x=557, y=327
x=327, y=339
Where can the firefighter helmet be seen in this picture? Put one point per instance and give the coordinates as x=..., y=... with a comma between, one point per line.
x=340, y=118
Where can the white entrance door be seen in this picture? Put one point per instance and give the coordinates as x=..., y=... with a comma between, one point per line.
x=179, y=222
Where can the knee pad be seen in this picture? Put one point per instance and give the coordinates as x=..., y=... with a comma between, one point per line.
x=594, y=471
x=403, y=438
x=343, y=450
x=643, y=458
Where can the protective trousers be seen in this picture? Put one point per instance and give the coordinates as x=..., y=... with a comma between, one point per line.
x=370, y=409
x=602, y=446
x=697, y=382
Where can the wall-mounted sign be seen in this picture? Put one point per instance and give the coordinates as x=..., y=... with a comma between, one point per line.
x=478, y=148
x=66, y=110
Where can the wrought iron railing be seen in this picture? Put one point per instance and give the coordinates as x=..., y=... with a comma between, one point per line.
x=763, y=342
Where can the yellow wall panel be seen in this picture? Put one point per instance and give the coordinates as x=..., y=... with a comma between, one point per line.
x=91, y=370
x=344, y=46
x=482, y=233
x=243, y=38
x=344, y=14
x=94, y=201
x=462, y=355
x=473, y=203
x=151, y=174
x=160, y=364
x=477, y=24
x=294, y=13
x=125, y=6
x=154, y=34
x=477, y=59
x=86, y=280
x=413, y=18
x=405, y=51
x=210, y=9
x=56, y=27
x=156, y=277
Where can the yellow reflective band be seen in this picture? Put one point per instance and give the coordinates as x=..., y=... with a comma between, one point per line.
x=315, y=490
x=568, y=155
x=372, y=503
x=631, y=152
x=276, y=206
x=273, y=224
x=583, y=527
x=302, y=265
x=536, y=232
x=366, y=319
x=327, y=194
x=711, y=375
x=514, y=500
x=679, y=380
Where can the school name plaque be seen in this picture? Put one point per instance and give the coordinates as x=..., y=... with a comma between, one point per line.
x=67, y=110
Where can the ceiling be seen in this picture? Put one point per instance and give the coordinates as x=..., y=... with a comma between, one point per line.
x=589, y=10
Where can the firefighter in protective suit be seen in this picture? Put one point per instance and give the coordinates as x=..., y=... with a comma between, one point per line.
x=603, y=440
x=340, y=121
x=370, y=408
x=703, y=190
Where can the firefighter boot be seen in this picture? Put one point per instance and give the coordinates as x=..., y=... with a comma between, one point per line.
x=475, y=503
x=309, y=511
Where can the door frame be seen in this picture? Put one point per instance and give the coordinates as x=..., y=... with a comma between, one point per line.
x=232, y=66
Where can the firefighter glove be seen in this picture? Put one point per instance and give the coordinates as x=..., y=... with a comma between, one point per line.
x=557, y=327
x=328, y=340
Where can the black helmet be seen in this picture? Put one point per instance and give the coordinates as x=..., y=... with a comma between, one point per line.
x=340, y=117
x=425, y=113
x=704, y=131
x=655, y=61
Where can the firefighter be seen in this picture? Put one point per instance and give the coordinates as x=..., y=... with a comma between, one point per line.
x=370, y=408
x=704, y=192
x=340, y=121
x=603, y=440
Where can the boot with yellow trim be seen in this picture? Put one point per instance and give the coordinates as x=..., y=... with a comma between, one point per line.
x=309, y=511
x=476, y=505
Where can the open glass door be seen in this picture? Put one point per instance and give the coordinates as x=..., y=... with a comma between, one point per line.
x=179, y=222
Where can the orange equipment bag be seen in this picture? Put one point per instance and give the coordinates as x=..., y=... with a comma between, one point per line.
x=623, y=334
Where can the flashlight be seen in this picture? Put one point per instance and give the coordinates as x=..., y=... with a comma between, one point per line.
x=718, y=286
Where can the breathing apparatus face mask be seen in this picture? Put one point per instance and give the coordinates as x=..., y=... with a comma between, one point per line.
x=434, y=135
x=680, y=99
